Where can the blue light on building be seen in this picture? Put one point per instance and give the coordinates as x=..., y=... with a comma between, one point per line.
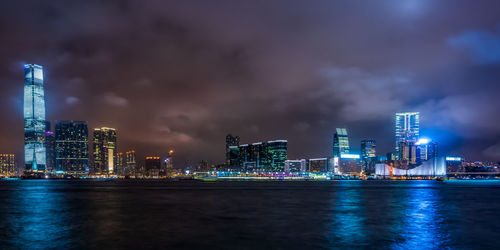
x=34, y=119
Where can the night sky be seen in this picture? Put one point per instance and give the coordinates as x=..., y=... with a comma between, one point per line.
x=183, y=74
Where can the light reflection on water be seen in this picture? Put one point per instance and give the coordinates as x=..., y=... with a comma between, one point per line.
x=421, y=221
x=38, y=216
x=249, y=215
x=348, y=219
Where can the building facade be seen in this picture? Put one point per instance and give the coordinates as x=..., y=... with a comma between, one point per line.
x=231, y=141
x=152, y=166
x=407, y=130
x=104, y=153
x=7, y=165
x=267, y=156
x=72, y=146
x=340, y=142
x=130, y=164
x=34, y=119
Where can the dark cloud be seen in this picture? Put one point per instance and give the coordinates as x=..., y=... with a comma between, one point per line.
x=182, y=74
x=483, y=45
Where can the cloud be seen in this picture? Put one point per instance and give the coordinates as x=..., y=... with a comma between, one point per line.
x=493, y=151
x=482, y=45
x=72, y=100
x=115, y=100
x=365, y=95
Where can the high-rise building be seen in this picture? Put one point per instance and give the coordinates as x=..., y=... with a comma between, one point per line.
x=120, y=164
x=368, y=149
x=130, y=163
x=260, y=156
x=340, y=142
x=34, y=119
x=104, y=151
x=72, y=146
x=231, y=141
x=152, y=166
x=50, y=145
x=368, y=155
x=7, y=165
x=277, y=155
x=426, y=149
x=407, y=130
x=169, y=162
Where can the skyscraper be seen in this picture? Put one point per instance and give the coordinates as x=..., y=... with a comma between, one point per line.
x=34, y=119
x=277, y=155
x=340, y=142
x=368, y=156
x=104, y=151
x=130, y=163
x=368, y=149
x=152, y=166
x=231, y=141
x=72, y=146
x=50, y=146
x=407, y=129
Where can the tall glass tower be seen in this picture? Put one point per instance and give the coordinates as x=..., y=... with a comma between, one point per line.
x=340, y=142
x=407, y=130
x=34, y=119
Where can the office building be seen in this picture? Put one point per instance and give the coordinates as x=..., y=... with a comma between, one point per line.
x=368, y=156
x=340, y=142
x=277, y=153
x=72, y=147
x=368, y=149
x=349, y=164
x=152, y=166
x=130, y=163
x=169, y=162
x=104, y=151
x=7, y=165
x=267, y=156
x=231, y=141
x=318, y=165
x=292, y=166
x=34, y=119
x=120, y=164
x=407, y=130
x=50, y=146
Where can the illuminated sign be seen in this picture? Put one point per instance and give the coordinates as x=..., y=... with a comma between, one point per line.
x=453, y=158
x=349, y=156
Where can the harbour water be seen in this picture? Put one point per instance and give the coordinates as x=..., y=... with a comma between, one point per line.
x=147, y=214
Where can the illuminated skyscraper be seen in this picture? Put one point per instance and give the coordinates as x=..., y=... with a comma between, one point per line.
x=277, y=155
x=34, y=119
x=231, y=141
x=72, y=146
x=368, y=149
x=104, y=151
x=130, y=163
x=407, y=130
x=340, y=142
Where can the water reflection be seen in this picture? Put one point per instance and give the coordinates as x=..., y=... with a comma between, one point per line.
x=348, y=216
x=38, y=217
x=421, y=222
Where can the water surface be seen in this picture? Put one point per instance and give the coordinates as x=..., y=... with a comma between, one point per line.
x=139, y=214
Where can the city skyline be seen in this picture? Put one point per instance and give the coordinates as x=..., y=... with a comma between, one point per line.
x=193, y=84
